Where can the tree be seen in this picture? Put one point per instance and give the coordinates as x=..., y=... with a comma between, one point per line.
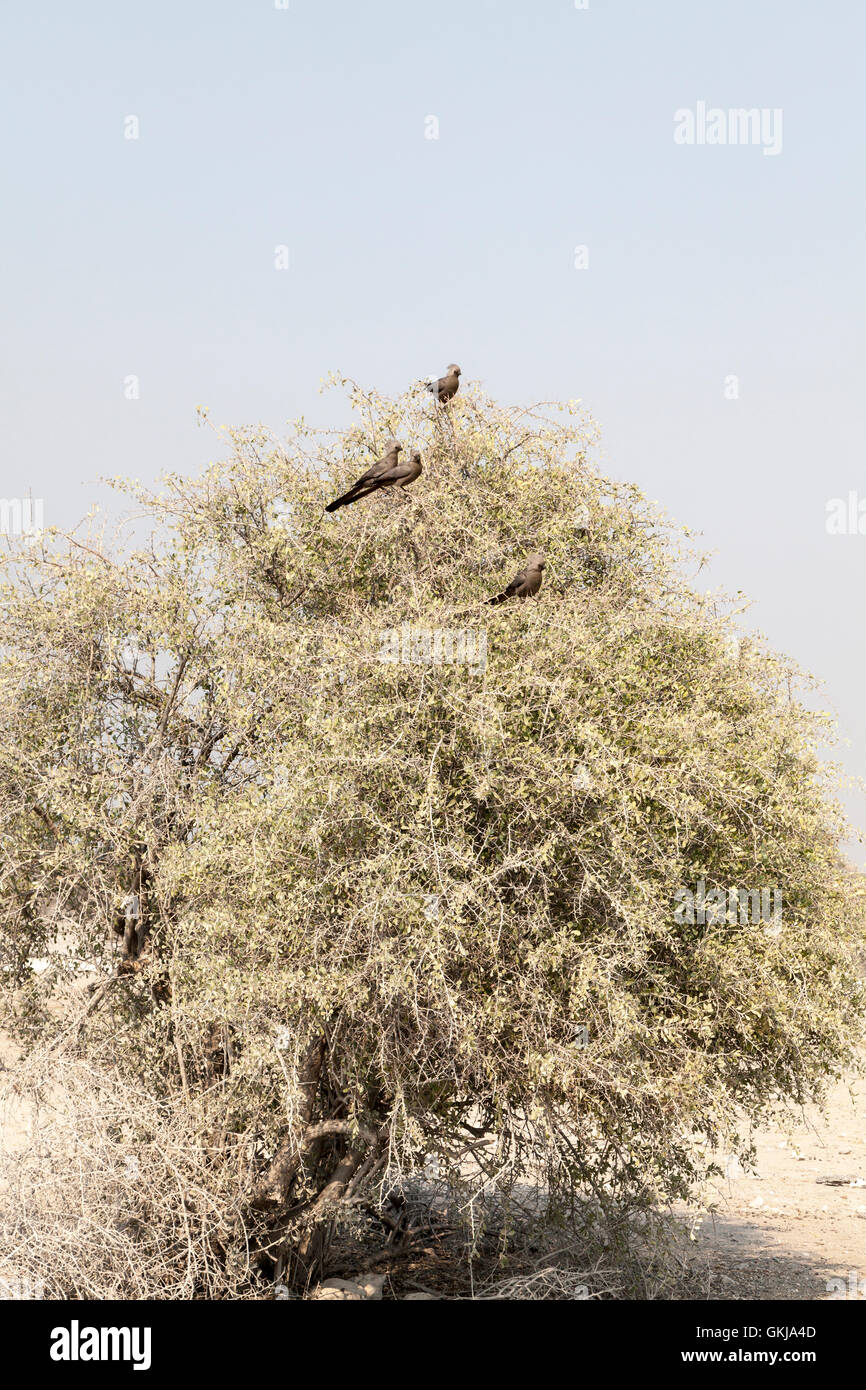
x=393, y=873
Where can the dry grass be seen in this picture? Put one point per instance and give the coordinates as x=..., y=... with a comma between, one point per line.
x=115, y=1196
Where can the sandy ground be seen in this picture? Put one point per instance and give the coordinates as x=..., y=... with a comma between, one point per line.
x=783, y=1231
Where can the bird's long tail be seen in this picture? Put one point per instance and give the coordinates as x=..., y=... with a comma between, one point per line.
x=353, y=495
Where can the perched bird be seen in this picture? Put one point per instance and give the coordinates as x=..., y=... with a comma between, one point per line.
x=525, y=583
x=412, y=469
x=446, y=386
x=388, y=472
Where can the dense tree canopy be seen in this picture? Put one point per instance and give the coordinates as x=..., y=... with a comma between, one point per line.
x=389, y=862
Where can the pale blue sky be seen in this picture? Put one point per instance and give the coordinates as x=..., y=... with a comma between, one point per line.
x=305, y=126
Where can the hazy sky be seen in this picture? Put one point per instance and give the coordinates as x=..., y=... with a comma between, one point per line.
x=307, y=127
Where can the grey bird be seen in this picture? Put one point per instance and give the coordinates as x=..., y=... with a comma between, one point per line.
x=447, y=385
x=525, y=583
x=387, y=472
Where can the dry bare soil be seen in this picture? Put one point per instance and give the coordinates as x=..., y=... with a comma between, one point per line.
x=785, y=1231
